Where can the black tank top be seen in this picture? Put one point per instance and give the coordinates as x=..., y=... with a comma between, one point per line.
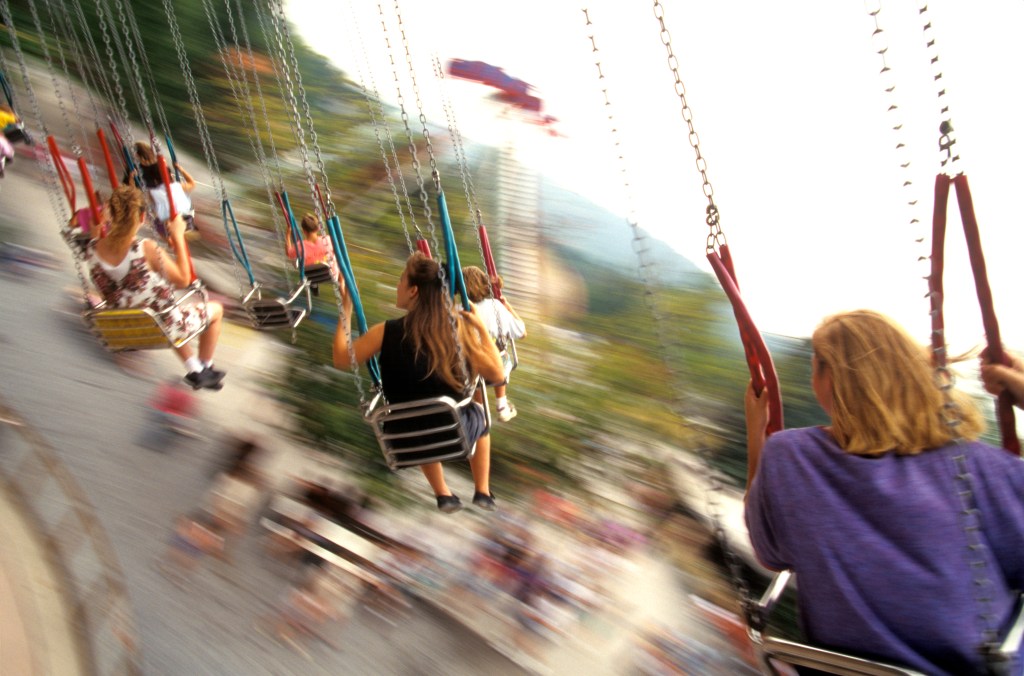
x=404, y=375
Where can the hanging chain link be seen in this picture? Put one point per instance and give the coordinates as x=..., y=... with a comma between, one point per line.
x=716, y=240
x=467, y=185
x=376, y=108
x=946, y=137
x=449, y=302
x=54, y=191
x=290, y=65
x=44, y=45
x=136, y=82
x=104, y=20
x=58, y=32
x=945, y=378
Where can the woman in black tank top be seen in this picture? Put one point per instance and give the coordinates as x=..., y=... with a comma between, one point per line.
x=419, y=358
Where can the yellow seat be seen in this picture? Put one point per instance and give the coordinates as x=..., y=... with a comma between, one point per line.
x=123, y=329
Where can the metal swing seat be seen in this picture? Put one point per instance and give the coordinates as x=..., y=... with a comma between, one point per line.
x=124, y=329
x=772, y=650
x=509, y=357
x=317, y=274
x=424, y=431
x=276, y=313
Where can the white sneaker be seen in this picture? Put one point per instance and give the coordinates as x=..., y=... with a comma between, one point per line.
x=506, y=413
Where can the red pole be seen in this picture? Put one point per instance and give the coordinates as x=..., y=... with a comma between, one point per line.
x=424, y=247
x=166, y=177
x=62, y=171
x=111, y=173
x=94, y=204
x=492, y=269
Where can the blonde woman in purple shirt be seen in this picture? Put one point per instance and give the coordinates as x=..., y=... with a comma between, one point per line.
x=867, y=513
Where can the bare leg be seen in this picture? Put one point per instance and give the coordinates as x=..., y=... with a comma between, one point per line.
x=184, y=352
x=208, y=339
x=499, y=390
x=480, y=465
x=435, y=477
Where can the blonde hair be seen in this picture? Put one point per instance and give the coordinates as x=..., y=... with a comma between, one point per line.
x=126, y=205
x=478, y=287
x=428, y=325
x=884, y=391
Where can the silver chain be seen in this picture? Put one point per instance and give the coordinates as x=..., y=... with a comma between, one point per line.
x=448, y=301
x=137, y=82
x=77, y=149
x=122, y=103
x=58, y=31
x=290, y=64
x=375, y=108
x=467, y=184
x=945, y=379
x=715, y=240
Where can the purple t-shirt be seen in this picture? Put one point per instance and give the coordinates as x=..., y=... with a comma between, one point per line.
x=879, y=549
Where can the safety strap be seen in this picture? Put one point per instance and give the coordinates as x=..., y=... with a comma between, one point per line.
x=166, y=178
x=345, y=267
x=289, y=219
x=108, y=160
x=231, y=226
x=759, y=360
x=66, y=182
x=1004, y=403
x=455, y=280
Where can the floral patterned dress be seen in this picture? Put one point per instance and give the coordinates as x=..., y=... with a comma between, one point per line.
x=140, y=287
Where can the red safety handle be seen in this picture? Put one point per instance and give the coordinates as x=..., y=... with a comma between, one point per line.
x=759, y=360
x=166, y=178
x=492, y=269
x=107, y=159
x=423, y=246
x=184, y=254
x=66, y=181
x=1007, y=422
x=94, y=205
x=994, y=349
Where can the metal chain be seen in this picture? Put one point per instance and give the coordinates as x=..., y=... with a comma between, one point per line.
x=99, y=74
x=77, y=149
x=193, y=95
x=970, y=514
x=133, y=26
x=61, y=29
x=49, y=169
x=290, y=64
x=946, y=138
x=280, y=227
x=448, y=301
x=716, y=239
x=467, y=184
x=137, y=83
x=375, y=106
x=122, y=103
x=881, y=47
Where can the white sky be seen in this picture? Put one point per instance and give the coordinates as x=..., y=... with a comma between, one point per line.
x=791, y=113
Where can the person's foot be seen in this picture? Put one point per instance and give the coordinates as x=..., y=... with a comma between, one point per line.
x=209, y=378
x=449, y=504
x=506, y=413
x=484, y=501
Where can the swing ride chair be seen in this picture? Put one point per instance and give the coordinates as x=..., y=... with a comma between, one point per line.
x=121, y=330
x=425, y=430
x=317, y=274
x=277, y=313
x=773, y=649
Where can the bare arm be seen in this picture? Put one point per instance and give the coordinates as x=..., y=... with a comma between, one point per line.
x=173, y=268
x=187, y=182
x=480, y=349
x=363, y=348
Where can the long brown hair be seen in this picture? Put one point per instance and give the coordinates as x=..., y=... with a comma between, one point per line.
x=126, y=205
x=884, y=393
x=478, y=287
x=428, y=324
